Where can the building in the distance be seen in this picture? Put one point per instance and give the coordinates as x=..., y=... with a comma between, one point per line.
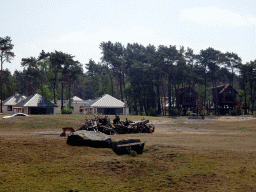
x=34, y=104
x=224, y=97
x=106, y=105
x=10, y=102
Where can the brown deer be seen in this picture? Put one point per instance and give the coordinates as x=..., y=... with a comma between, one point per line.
x=71, y=129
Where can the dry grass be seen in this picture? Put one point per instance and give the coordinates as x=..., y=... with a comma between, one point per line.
x=182, y=155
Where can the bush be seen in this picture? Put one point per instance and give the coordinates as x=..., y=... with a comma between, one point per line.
x=142, y=113
x=234, y=112
x=189, y=112
x=174, y=112
x=133, y=153
x=152, y=112
x=66, y=110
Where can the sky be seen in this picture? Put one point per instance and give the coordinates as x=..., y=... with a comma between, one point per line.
x=77, y=27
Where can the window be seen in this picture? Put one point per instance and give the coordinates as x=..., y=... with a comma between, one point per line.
x=9, y=108
x=230, y=91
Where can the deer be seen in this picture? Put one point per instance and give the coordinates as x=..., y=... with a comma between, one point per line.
x=70, y=129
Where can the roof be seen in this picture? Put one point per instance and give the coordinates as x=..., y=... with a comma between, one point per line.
x=182, y=90
x=107, y=101
x=224, y=87
x=35, y=100
x=14, y=99
x=75, y=98
x=85, y=102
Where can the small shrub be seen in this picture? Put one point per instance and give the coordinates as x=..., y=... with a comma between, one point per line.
x=66, y=110
x=133, y=153
x=142, y=113
x=189, y=112
x=152, y=112
x=234, y=112
x=174, y=112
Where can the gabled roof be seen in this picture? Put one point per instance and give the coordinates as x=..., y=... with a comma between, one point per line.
x=107, y=101
x=14, y=99
x=35, y=100
x=182, y=90
x=224, y=87
x=75, y=98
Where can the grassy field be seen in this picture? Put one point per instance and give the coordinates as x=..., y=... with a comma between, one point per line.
x=181, y=155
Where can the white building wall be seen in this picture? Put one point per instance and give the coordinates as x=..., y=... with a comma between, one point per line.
x=4, y=109
x=26, y=110
x=77, y=107
x=57, y=110
x=126, y=111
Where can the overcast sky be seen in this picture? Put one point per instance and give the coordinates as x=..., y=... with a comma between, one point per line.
x=78, y=27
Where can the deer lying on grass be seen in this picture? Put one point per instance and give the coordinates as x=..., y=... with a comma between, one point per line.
x=63, y=134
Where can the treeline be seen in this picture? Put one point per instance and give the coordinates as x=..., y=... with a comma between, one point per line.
x=146, y=77
x=143, y=76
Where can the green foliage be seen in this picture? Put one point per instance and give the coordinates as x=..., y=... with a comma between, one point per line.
x=47, y=94
x=65, y=93
x=9, y=85
x=50, y=69
x=142, y=113
x=66, y=110
x=96, y=85
x=200, y=89
x=152, y=112
x=139, y=75
x=241, y=96
x=5, y=49
x=106, y=85
x=189, y=112
x=133, y=153
x=174, y=111
x=234, y=112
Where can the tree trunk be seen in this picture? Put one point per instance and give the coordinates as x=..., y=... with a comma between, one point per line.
x=120, y=83
x=1, y=84
x=112, y=84
x=158, y=100
x=245, y=104
x=62, y=93
x=251, y=100
x=170, y=93
x=135, y=106
x=69, y=90
x=204, y=84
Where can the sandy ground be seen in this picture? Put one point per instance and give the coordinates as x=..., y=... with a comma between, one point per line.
x=214, y=154
x=171, y=133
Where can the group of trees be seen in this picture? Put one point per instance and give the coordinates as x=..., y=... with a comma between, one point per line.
x=144, y=77
x=5, y=56
x=50, y=72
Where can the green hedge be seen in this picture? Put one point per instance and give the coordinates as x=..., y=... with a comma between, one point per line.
x=66, y=110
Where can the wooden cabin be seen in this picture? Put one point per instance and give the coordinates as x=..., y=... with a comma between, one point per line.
x=225, y=96
x=186, y=97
